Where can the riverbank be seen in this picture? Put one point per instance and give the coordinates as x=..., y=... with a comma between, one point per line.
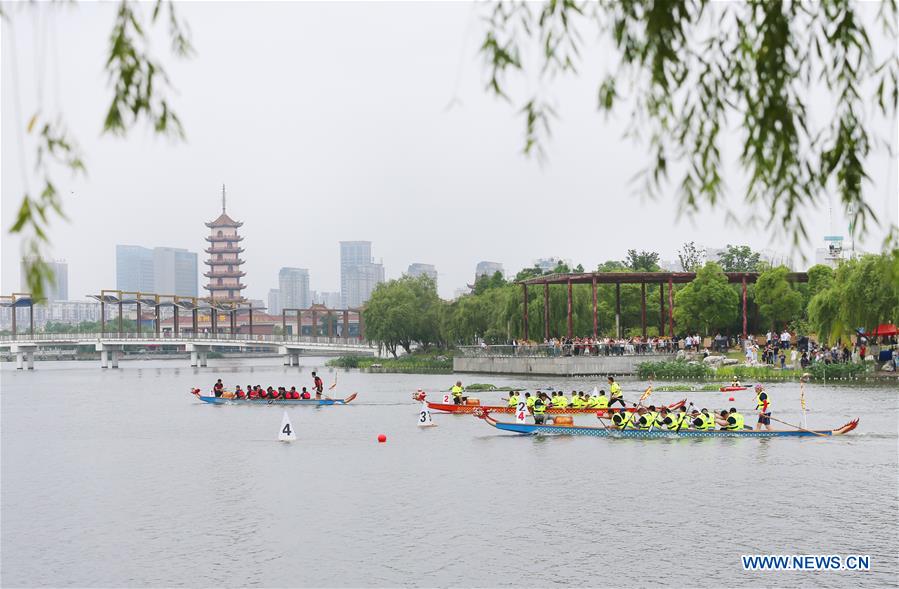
x=416, y=363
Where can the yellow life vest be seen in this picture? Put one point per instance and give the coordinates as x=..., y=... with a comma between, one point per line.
x=602, y=402
x=513, y=400
x=621, y=419
x=539, y=407
x=456, y=390
x=577, y=402
x=591, y=402
x=739, y=422
x=615, y=390
x=645, y=421
x=563, y=401
x=530, y=401
x=760, y=404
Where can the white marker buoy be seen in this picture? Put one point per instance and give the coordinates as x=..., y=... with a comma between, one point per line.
x=521, y=410
x=424, y=416
x=287, y=433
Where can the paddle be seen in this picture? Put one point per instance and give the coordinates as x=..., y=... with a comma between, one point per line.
x=796, y=426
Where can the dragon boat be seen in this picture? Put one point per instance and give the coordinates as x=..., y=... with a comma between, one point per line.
x=213, y=400
x=453, y=408
x=729, y=389
x=604, y=432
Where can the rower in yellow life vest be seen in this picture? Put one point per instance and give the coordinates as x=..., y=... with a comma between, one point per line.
x=563, y=400
x=590, y=401
x=645, y=419
x=557, y=399
x=513, y=399
x=539, y=409
x=762, y=407
x=529, y=400
x=602, y=401
x=457, y=392
x=731, y=420
x=622, y=419
x=615, y=393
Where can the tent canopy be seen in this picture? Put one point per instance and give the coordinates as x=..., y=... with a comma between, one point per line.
x=884, y=329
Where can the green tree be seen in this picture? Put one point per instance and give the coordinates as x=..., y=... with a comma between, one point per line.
x=691, y=257
x=708, y=303
x=779, y=302
x=403, y=312
x=694, y=70
x=820, y=277
x=739, y=258
x=641, y=262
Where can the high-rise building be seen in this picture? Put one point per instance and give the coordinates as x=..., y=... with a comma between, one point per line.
x=330, y=300
x=358, y=273
x=224, y=261
x=293, y=284
x=274, y=301
x=58, y=288
x=161, y=270
x=487, y=269
x=134, y=270
x=174, y=271
x=418, y=269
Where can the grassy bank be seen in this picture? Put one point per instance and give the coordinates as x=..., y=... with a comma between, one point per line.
x=677, y=370
x=417, y=363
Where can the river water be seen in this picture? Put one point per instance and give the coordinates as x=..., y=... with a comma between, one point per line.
x=121, y=478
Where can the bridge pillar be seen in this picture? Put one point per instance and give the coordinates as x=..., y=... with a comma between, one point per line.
x=20, y=358
x=114, y=358
x=29, y=360
x=104, y=358
x=193, y=358
x=203, y=359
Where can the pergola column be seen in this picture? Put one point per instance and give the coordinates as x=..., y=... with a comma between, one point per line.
x=214, y=320
x=670, y=307
x=31, y=323
x=661, y=309
x=361, y=325
x=251, y=321
x=13, y=309
x=299, y=324
x=195, y=319
x=546, y=310
x=595, y=313
x=314, y=325
x=158, y=325
x=643, y=308
x=525, y=291
x=617, y=309
x=120, y=318
x=330, y=325
x=175, y=319
x=570, y=325
x=102, y=320
x=346, y=326
x=138, y=318
x=744, y=306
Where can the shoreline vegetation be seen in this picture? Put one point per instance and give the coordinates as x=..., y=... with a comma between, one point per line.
x=434, y=362
x=678, y=370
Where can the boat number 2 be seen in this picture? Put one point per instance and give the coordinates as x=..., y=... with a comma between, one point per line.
x=286, y=430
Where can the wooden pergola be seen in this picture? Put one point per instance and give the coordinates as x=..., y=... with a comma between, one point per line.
x=641, y=278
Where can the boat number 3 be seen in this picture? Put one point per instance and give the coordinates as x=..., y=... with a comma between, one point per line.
x=424, y=417
x=286, y=430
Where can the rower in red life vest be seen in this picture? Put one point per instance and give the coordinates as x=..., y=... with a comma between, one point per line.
x=318, y=385
x=239, y=393
x=253, y=392
x=293, y=393
x=305, y=394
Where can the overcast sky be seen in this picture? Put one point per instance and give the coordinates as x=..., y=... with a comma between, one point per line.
x=329, y=122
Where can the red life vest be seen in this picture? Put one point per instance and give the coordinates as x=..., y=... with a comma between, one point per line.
x=306, y=395
x=254, y=394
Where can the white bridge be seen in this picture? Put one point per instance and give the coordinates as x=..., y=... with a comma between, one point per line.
x=112, y=345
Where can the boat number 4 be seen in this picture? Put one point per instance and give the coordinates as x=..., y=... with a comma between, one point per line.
x=286, y=431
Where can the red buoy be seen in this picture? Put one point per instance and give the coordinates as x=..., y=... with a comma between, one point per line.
x=382, y=438
x=730, y=398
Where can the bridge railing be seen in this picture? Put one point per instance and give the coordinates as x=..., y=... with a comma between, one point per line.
x=165, y=337
x=565, y=350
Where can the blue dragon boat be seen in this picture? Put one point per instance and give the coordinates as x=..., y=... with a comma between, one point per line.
x=604, y=432
x=213, y=400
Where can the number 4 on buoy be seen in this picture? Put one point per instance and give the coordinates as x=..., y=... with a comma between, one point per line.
x=287, y=433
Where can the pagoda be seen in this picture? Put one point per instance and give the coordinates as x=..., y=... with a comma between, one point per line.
x=224, y=261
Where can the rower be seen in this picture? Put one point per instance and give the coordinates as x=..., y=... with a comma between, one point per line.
x=558, y=399
x=654, y=415
x=621, y=419
x=615, y=393
x=683, y=420
x=762, y=407
x=513, y=399
x=239, y=393
x=457, y=392
x=539, y=408
x=293, y=393
x=731, y=420
x=563, y=400
x=305, y=394
x=645, y=419
x=252, y=392
x=602, y=401
x=734, y=382
x=708, y=420
x=697, y=420
x=529, y=400
x=318, y=385
x=218, y=388
x=577, y=400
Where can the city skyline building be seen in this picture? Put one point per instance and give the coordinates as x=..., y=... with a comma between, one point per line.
x=55, y=290
x=488, y=269
x=331, y=300
x=419, y=269
x=160, y=270
x=293, y=287
x=224, y=260
x=274, y=301
x=358, y=273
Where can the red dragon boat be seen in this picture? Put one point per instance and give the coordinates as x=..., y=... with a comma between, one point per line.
x=466, y=409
